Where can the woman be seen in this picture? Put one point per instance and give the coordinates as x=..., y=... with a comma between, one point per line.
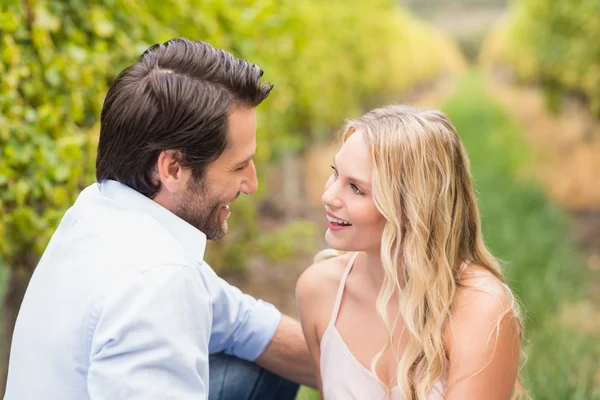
x=412, y=305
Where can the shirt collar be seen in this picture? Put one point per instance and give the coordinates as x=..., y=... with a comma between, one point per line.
x=192, y=239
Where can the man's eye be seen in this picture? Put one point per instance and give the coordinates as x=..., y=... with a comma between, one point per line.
x=243, y=167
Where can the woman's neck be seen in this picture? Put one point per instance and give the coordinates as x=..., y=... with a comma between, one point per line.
x=374, y=269
x=374, y=274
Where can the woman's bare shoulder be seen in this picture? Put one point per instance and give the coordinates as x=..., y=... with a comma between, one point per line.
x=484, y=335
x=482, y=304
x=317, y=287
x=478, y=283
x=323, y=276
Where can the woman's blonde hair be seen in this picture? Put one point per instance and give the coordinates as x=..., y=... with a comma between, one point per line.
x=423, y=188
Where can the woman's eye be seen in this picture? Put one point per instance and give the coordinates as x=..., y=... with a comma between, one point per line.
x=334, y=171
x=357, y=190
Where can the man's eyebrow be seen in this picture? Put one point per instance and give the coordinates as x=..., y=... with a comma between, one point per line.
x=355, y=180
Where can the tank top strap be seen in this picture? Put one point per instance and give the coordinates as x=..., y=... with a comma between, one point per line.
x=464, y=265
x=340, y=292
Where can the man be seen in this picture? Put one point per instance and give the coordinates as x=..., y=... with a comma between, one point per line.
x=122, y=305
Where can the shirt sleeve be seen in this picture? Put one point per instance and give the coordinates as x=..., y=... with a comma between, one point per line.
x=242, y=325
x=151, y=337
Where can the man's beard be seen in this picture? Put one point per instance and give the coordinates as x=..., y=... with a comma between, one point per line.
x=201, y=209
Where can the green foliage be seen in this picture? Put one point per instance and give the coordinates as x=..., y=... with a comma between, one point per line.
x=57, y=60
x=295, y=237
x=555, y=43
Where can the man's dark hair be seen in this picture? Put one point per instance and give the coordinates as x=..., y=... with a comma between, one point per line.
x=177, y=96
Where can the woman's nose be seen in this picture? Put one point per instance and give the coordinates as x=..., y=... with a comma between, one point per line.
x=330, y=195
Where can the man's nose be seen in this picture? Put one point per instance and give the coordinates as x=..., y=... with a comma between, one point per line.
x=250, y=182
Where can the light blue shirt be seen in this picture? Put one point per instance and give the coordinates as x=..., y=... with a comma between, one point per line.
x=122, y=306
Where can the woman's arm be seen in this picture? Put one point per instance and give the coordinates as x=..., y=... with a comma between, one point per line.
x=484, y=345
x=307, y=302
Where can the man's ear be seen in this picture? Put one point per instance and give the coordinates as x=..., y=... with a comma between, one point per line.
x=169, y=171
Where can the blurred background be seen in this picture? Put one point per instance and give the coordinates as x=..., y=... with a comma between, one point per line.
x=520, y=80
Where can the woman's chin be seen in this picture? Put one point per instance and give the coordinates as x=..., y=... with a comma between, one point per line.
x=334, y=243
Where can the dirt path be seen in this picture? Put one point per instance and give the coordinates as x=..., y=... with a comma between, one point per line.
x=276, y=283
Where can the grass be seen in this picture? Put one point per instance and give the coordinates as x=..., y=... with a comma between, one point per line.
x=530, y=235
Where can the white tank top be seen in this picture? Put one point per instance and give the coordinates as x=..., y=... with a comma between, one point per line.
x=343, y=377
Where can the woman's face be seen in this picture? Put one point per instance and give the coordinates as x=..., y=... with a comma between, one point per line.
x=354, y=223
